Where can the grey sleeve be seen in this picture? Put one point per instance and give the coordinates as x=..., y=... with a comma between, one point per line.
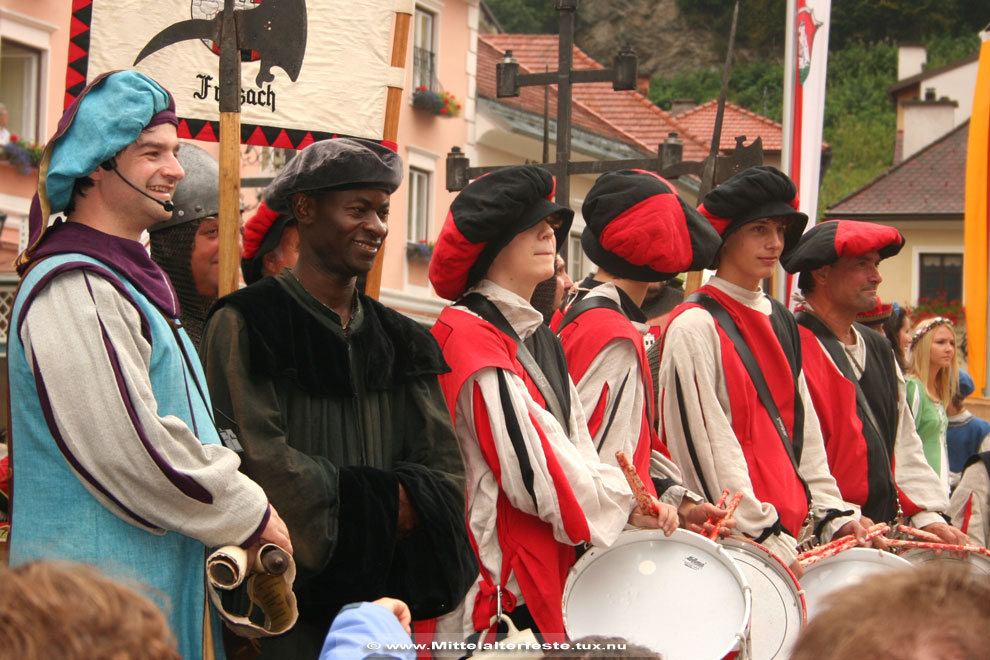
x=150, y=470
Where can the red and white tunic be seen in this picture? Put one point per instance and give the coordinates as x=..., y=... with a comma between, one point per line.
x=970, y=503
x=533, y=489
x=919, y=489
x=720, y=434
x=606, y=357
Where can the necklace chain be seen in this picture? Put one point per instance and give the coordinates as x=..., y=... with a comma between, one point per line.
x=354, y=301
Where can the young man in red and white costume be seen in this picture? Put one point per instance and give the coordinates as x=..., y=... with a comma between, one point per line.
x=535, y=485
x=873, y=449
x=637, y=231
x=719, y=430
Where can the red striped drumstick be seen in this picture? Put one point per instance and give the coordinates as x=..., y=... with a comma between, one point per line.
x=729, y=510
x=920, y=533
x=948, y=547
x=836, y=546
x=646, y=501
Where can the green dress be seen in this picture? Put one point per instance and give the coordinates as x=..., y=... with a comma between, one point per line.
x=932, y=424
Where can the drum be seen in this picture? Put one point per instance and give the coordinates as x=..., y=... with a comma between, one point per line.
x=980, y=563
x=779, y=611
x=845, y=569
x=682, y=595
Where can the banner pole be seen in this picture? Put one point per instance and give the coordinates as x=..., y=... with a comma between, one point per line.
x=400, y=46
x=230, y=158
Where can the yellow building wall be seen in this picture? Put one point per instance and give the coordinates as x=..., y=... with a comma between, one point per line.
x=900, y=272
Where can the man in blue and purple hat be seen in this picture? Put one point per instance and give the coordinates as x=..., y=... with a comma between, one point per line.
x=118, y=461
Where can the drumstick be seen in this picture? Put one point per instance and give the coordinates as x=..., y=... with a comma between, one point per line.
x=882, y=527
x=845, y=543
x=920, y=533
x=729, y=510
x=930, y=545
x=838, y=545
x=646, y=501
x=718, y=505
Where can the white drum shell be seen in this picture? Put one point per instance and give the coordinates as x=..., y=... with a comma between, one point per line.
x=845, y=569
x=919, y=556
x=681, y=596
x=779, y=611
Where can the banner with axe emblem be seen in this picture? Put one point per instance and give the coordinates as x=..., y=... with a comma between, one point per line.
x=310, y=69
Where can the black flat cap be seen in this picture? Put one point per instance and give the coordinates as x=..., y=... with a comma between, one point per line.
x=754, y=193
x=484, y=218
x=337, y=164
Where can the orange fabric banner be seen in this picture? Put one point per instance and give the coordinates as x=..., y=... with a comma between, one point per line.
x=977, y=204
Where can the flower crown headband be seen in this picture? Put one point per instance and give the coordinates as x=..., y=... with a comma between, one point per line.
x=930, y=325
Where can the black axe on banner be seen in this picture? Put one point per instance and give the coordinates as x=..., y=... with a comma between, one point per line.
x=276, y=31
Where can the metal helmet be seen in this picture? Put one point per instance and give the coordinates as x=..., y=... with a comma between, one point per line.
x=197, y=194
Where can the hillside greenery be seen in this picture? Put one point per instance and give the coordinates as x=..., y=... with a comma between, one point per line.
x=859, y=116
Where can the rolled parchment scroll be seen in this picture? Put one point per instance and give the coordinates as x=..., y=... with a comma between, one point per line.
x=268, y=584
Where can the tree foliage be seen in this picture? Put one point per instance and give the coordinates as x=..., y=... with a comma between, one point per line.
x=852, y=21
x=756, y=86
x=525, y=16
x=860, y=119
x=758, y=27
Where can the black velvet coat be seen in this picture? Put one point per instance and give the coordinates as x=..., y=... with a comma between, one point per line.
x=331, y=422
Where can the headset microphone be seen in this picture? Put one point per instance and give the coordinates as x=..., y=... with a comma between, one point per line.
x=111, y=164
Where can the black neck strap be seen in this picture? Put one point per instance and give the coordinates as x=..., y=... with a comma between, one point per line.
x=728, y=326
x=557, y=397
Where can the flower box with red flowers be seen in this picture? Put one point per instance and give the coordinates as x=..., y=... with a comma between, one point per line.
x=21, y=155
x=443, y=104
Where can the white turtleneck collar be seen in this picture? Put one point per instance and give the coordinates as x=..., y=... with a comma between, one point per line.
x=522, y=316
x=755, y=299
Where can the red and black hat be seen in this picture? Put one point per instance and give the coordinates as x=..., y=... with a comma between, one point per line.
x=637, y=227
x=754, y=193
x=484, y=217
x=262, y=233
x=824, y=243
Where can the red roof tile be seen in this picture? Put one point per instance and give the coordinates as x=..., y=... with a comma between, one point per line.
x=627, y=114
x=930, y=182
x=531, y=98
x=700, y=120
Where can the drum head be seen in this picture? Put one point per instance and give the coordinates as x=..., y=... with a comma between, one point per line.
x=845, y=569
x=681, y=596
x=778, y=602
x=918, y=556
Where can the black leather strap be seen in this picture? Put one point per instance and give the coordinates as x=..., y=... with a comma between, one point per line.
x=585, y=304
x=724, y=320
x=838, y=355
x=553, y=396
x=835, y=350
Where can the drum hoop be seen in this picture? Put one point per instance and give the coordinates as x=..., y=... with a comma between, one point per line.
x=747, y=545
x=972, y=558
x=856, y=554
x=686, y=538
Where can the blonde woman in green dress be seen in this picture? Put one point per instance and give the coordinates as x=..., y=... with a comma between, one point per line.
x=932, y=382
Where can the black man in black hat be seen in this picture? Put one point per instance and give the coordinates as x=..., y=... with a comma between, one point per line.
x=336, y=401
